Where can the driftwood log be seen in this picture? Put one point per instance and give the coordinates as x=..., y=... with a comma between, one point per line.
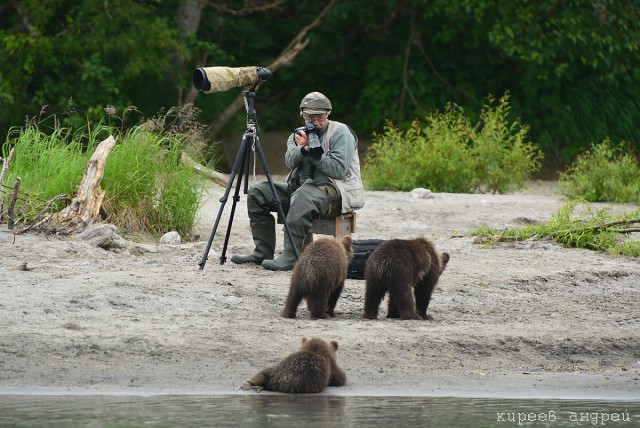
x=5, y=168
x=211, y=174
x=85, y=206
x=12, y=203
x=5, y=165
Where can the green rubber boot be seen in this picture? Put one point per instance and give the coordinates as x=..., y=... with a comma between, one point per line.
x=265, y=240
x=287, y=260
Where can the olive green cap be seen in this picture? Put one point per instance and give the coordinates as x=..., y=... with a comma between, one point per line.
x=315, y=103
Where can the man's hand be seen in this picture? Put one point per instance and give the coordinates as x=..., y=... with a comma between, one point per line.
x=301, y=141
x=300, y=138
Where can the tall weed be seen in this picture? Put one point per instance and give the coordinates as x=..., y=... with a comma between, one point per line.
x=48, y=165
x=146, y=186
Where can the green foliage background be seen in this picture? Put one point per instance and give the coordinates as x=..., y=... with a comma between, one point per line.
x=571, y=67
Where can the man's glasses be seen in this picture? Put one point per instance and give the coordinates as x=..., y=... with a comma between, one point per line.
x=314, y=117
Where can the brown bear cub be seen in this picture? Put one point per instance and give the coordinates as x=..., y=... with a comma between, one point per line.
x=406, y=269
x=311, y=368
x=318, y=277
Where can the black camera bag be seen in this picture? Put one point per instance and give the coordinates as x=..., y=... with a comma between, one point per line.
x=362, y=249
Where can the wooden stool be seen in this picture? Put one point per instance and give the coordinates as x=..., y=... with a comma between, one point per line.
x=338, y=227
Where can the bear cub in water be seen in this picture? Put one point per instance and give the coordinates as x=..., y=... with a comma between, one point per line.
x=318, y=277
x=310, y=369
x=407, y=269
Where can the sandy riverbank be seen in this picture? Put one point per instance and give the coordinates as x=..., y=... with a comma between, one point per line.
x=530, y=319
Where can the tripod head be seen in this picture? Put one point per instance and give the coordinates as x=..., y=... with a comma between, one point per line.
x=250, y=107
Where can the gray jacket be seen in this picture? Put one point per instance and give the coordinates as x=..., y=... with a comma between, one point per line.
x=339, y=165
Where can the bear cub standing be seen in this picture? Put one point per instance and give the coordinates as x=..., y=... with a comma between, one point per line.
x=310, y=369
x=319, y=277
x=406, y=269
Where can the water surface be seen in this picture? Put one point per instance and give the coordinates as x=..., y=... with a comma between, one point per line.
x=309, y=411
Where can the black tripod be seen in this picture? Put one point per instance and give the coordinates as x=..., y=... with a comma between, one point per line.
x=241, y=167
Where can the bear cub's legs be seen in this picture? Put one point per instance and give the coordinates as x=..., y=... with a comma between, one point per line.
x=373, y=296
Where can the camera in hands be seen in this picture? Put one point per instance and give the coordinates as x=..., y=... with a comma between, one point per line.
x=312, y=131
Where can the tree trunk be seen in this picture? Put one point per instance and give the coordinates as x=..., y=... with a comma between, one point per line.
x=188, y=18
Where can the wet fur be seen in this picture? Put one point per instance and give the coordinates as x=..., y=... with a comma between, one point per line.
x=310, y=369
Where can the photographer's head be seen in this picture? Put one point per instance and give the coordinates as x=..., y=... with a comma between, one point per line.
x=315, y=108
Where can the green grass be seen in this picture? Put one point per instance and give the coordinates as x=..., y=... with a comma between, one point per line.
x=591, y=229
x=147, y=188
x=47, y=165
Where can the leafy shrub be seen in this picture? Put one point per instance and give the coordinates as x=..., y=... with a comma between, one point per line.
x=501, y=158
x=432, y=156
x=448, y=154
x=605, y=173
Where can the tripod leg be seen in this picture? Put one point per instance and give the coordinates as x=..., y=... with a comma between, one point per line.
x=276, y=200
x=242, y=161
x=237, y=166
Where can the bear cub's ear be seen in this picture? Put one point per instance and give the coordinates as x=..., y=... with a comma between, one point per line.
x=334, y=343
x=346, y=241
x=304, y=339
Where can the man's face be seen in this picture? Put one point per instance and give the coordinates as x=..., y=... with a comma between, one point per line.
x=317, y=119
